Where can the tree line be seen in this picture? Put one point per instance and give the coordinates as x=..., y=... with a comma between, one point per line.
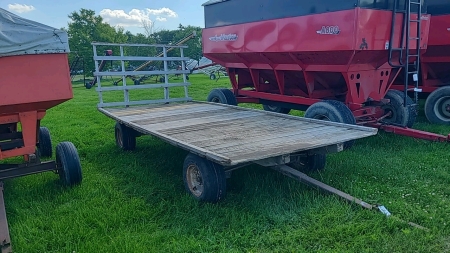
x=86, y=27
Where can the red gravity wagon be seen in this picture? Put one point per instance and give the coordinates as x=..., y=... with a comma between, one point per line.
x=435, y=65
x=34, y=76
x=337, y=60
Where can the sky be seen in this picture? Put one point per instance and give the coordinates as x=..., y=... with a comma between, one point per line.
x=166, y=14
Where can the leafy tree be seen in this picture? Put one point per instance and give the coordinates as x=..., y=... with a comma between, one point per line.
x=84, y=28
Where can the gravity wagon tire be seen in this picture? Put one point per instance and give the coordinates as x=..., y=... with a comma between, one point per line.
x=68, y=164
x=332, y=110
x=212, y=77
x=45, y=143
x=203, y=179
x=125, y=137
x=223, y=96
x=310, y=162
x=275, y=108
x=437, y=106
x=403, y=116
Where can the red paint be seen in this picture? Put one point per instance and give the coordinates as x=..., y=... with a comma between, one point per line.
x=412, y=132
x=29, y=85
x=290, y=58
x=435, y=62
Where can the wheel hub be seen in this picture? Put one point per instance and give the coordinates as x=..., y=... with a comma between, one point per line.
x=194, y=180
x=442, y=107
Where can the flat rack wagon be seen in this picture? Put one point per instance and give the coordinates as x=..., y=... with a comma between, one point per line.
x=220, y=137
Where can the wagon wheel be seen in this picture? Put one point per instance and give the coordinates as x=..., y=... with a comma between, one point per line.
x=125, y=137
x=223, y=96
x=275, y=108
x=203, y=179
x=400, y=114
x=310, y=162
x=45, y=143
x=332, y=110
x=437, y=106
x=68, y=164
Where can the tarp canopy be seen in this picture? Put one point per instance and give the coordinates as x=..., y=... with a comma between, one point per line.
x=19, y=36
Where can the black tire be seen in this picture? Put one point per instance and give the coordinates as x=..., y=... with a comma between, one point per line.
x=275, y=108
x=187, y=77
x=162, y=79
x=401, y=115
x=310, y=162
x=45, y=143
x=88, y=85
x=332, y=110
x=437, y=106
x=125, y=137
x=68, y=164
x=223, y=96
x=203, y=179
x=212, y=77
x=136, y=82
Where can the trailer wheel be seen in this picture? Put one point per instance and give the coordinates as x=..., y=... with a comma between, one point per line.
x=212, y=77
x=437, y=106
x=125, y=137
x=401, y=115
x=311, y=162
x=45, y=143
x=68, y=164
x=274, y=108
x=223, y=96
x=88, y=85
x=332, y=110
x=203, y=179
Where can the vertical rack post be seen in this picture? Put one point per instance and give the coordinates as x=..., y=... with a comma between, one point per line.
x=183, y=67
x=98, y=75
x=166, y=76
x=124, y=79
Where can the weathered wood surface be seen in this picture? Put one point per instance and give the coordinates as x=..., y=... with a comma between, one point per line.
x=232, y=135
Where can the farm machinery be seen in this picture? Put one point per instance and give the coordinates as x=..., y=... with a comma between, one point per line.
x=138, y=77
x=34, y=76
x=335, y=61
x=434, y=80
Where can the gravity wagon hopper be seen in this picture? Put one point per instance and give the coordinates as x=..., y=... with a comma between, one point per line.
x=434, y=78
x=34, y=76
x=219, y=138
x=335, y=60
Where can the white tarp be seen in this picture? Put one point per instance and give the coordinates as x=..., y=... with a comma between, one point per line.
x=19, y=36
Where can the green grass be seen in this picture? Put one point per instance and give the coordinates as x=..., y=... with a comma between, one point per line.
x=136, y=202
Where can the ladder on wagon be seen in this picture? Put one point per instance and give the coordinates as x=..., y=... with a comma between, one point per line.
x=406, y=58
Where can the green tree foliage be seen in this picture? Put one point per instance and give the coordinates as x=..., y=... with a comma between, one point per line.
x=84, y=28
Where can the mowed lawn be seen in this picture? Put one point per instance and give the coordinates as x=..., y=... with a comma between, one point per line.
x=136, y=202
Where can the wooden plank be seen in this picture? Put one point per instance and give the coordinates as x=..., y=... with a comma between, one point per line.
x=272, y=141
x=251, y=138
x=238, y=158
x=150, y=114
x=243, y=129
x=147, y=121
x=193, y=122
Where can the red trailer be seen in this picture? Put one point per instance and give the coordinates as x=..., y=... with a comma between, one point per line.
x=336, y=60
x=435, y=65
x=34, y=76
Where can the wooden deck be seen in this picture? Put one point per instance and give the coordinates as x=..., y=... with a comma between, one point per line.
x=231, y=135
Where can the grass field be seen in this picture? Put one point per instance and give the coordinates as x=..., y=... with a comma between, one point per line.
x=136, y=202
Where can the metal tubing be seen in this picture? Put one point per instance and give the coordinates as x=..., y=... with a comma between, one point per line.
x=17, y=170
x=5, y=240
